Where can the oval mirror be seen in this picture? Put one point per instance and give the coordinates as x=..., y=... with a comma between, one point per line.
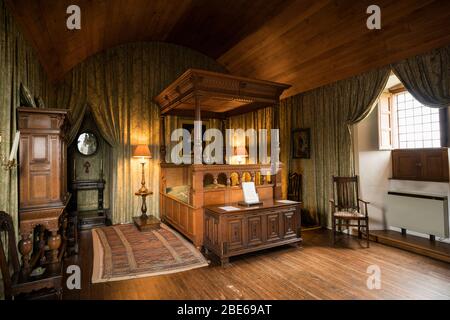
x=87, y=143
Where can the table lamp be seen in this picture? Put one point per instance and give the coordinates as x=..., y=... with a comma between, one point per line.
x=142, y=151
x=240, y=152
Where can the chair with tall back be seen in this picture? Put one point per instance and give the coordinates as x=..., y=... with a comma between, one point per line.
x=295, y=186
x=345, y=207
x=17, y=284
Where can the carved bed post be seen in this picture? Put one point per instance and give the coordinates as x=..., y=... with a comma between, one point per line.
x=198, y=133
x=224, y=128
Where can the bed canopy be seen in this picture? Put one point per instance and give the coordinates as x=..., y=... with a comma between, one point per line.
x=204, y=94
x=217, y=95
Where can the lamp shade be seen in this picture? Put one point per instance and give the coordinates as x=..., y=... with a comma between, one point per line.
x=240, y=151
x=142, y=151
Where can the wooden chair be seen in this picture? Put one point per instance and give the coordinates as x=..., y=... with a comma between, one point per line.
x=295, y=186
x=345, y=207
x=16, y=284
x=295, y=192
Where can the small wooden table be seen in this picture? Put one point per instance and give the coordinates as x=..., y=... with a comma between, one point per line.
x=248, y=229
x=145, y=222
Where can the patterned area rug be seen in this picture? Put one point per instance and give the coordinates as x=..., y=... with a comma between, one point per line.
x=123, y=252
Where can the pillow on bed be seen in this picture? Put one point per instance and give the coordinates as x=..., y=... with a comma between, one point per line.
x=179, y=192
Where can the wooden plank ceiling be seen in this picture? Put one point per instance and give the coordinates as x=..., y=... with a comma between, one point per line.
x=305, y=43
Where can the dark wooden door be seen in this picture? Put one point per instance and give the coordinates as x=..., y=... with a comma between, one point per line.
x=435, y=165
x=406, y=164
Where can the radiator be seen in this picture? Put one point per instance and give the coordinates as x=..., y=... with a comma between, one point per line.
x=426, y=214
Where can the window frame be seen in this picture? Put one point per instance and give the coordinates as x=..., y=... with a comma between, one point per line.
x=387, y=102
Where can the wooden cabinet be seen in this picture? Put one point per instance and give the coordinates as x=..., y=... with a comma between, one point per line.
x=230, y=233
x=435, y=165
x=42, y=177
x=420, y=164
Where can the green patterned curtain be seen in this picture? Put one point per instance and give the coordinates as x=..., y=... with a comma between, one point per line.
x=174, y=122
x=18, y=64
x=119, y=86
x=427, y=77
x=329, y=111
x=259, y=119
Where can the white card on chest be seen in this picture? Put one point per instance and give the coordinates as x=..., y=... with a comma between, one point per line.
x=250, y=195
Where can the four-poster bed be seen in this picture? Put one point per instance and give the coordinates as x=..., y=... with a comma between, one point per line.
x=186, y=189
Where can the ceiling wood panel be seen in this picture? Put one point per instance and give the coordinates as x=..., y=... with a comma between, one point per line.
x=306, y=43
x=209, y=26
x=329, y=41
x=214, y=26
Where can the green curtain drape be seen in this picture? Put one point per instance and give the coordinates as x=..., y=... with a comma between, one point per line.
x=427, y=77
x=259, y=119
x=329, y=111
x=18, y=64
x=119, y=85
x=174, y=122
x=72, y=95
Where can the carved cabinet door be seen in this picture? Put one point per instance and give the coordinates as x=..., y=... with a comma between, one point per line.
x=290, y=224
x=273, y=227
x=235, y=233
x=254, y=230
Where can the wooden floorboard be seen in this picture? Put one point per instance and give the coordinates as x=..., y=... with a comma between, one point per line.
x=315, y=270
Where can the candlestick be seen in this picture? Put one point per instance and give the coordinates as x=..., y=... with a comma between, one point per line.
x=101, y=168
x=15, y=146
x=74, y=170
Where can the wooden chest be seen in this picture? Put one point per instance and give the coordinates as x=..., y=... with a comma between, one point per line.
x=231, y=233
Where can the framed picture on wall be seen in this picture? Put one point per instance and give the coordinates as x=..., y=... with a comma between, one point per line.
x=301, y=143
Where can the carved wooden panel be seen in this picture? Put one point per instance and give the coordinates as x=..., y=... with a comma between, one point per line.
x=39, y=148
x=208, y=230
x=211, y=232
x=235, y=234
x=290, y=224
x=273, y=227
x=254, y=225
x=191, y=221
x=176, y=213
x=183, y=217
